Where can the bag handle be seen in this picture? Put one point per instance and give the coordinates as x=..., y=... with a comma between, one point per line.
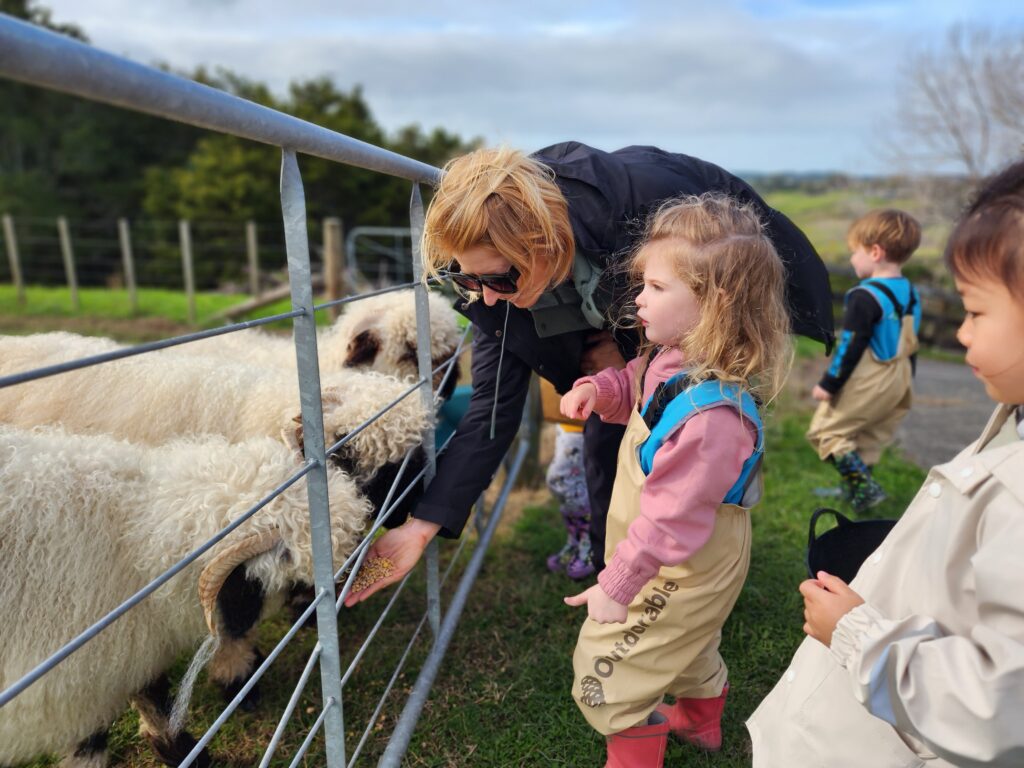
x=812, y=535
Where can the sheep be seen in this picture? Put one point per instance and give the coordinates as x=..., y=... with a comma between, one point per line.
x=114, y=515
x=377, y=333
x=154, y=397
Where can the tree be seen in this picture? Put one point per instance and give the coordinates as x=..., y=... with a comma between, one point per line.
x=961, y=105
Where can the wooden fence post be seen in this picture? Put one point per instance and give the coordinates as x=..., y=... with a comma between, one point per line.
x=252, y=248
x=124, y=235
x=334, y=262
x=12, y=258
x=69, y=260
x=185, y=238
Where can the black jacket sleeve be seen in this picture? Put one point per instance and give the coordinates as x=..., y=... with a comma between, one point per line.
x=466, y=467
x=860, y=315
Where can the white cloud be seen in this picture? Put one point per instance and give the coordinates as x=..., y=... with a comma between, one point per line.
x=798, y=84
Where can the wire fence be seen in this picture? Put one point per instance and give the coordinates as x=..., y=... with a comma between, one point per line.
x=38, y=57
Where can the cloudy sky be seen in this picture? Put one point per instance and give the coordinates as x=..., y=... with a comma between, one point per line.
x=752, y=85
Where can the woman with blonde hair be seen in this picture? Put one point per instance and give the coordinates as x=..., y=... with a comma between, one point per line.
x=540, y=244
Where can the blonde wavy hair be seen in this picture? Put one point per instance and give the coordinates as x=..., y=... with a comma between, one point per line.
x=506, y=200
x=718, y=247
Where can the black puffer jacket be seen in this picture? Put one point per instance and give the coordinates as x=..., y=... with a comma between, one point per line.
x=610, y=195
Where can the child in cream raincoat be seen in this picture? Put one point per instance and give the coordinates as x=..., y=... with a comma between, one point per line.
x=919, y=661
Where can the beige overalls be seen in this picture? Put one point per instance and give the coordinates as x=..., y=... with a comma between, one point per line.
x=669, y=641
x=937, y=650
x=864, y=414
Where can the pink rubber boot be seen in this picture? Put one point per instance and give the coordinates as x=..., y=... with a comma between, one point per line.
x=642, y=746
x=697, y=721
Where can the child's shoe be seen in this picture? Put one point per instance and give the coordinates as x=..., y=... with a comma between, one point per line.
x=868, y=495
x=697, y=721
x=865, y=492
x=642, y=746
x=582, y=565
x=559, y=561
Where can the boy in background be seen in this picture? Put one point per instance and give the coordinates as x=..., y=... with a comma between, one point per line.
x=866, y=391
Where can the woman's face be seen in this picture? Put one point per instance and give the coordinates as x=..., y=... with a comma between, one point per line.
x=485, y=260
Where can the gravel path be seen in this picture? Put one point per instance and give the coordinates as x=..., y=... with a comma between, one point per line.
x=950, y=410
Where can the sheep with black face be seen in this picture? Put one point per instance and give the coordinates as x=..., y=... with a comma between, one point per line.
x=88, y=521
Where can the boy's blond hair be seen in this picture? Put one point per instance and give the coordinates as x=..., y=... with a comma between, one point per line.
x=506, y=200
x=896, y=232
x=719, y=248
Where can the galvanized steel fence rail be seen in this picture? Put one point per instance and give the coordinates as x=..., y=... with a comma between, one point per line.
x=42, y=58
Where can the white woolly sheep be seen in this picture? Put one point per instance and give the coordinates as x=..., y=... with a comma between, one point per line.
x=377, y=333
x=89, y=520
x=154, y=397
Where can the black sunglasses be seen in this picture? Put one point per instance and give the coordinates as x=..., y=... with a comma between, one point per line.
x=504, y=282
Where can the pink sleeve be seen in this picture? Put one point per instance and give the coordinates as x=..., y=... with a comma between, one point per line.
x=616, y=391
x=690, y=476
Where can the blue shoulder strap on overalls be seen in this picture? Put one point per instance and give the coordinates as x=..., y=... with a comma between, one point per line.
x=885, y=337
x=678, y=400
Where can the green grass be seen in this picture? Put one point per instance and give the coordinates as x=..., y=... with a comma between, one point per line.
x=503, y=695
x=113, y=303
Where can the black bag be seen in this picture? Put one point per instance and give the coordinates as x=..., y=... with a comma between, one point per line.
x=841, y=550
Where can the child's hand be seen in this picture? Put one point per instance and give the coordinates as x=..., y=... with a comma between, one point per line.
x=820, y=393
x=826, y=600
x=578, y=403
x=600, y=607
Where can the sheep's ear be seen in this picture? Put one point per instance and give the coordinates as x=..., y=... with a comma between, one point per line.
x=363, y=349
x=292, y=437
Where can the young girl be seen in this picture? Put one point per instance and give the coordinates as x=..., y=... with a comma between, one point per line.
x=921, y=657
x=678, y=548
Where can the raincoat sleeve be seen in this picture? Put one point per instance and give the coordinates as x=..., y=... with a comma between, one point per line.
x=466, y=467
x=961, y=695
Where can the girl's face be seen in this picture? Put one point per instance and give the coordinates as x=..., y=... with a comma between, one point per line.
x=666, y=307
x=993, y=333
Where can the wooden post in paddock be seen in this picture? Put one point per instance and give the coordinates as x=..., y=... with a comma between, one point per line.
x=12, y=258
x=334, y=262
x=68, y=255
x=185, y=238
x=124, y=236
x=252, y=249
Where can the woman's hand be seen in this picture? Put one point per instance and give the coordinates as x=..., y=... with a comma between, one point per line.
x=821, y=394
x=600, y=607
x=578, y=402
x=826, y=600
x=403, y=546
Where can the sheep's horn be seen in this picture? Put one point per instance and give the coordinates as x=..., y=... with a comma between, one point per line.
x=217, y=570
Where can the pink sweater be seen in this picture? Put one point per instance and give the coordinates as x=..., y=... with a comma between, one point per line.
x=690, y=475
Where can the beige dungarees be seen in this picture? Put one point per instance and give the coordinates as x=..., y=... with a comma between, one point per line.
x=669, y=642
x=864, y=414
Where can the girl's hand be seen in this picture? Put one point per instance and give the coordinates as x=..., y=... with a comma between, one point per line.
x=826, y=600
x=821, y=394
x=578, y=403
x=600, y=607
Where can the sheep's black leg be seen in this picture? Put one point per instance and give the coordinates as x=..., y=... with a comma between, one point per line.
x=154, y=706
x=90, y=752
x=239, y=603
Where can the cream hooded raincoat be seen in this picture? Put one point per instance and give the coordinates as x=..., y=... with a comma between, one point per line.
x=929, y=671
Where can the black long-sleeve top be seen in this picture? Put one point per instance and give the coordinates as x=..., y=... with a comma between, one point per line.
x=860, y=315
